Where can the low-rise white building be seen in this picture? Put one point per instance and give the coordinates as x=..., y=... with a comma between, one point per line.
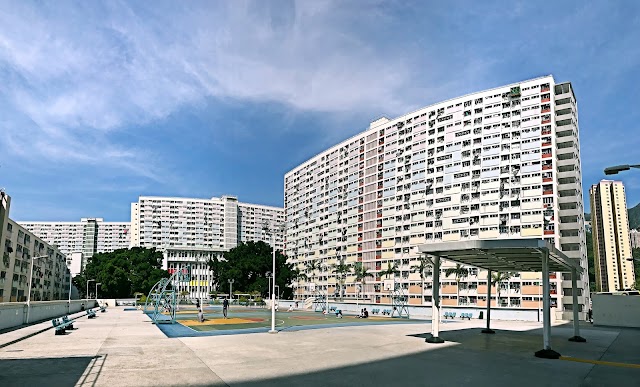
x=22, y=249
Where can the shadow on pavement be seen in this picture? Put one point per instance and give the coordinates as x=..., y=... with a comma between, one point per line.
x=64, y=371
x=469, y=357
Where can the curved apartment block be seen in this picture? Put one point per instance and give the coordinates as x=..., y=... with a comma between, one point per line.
x=502, y=163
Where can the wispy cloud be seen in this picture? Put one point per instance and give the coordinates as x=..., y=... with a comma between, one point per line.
x=76, y=75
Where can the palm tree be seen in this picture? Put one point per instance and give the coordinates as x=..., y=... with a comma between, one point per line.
x=298, y=275
x=460, y=272
x=313, y=266
x=361, y=274
x=390, y=270
x=498, y=277
x=340, y=270
x=425, y=263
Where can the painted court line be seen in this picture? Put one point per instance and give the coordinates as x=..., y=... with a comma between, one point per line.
x=601, y=362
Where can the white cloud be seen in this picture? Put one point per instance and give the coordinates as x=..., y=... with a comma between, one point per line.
x=76, y=75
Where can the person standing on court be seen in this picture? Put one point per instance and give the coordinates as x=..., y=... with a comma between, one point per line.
x=225, y=307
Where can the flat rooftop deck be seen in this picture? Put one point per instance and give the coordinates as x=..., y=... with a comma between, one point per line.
x=123, y=348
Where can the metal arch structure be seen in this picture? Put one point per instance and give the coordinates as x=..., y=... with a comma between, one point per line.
x=163, y=298
x=319, y=302
x=399, y=302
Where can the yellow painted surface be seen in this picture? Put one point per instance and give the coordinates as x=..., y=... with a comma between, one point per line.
x=217, y=321
x=415, y=289
x=601, y=362
x=531, y=290
x=489, y=234
x=525, y=232
x=387, y=254
x=451, y=237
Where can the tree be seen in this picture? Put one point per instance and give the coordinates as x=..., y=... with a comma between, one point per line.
x=421, y=268
x=247, y=264
x=460, y=272
x=298, y=275
x=497, y=278
x=313, y=266
x=391, y=270
x=361, y=273
x=122, y=272
x=341, y=269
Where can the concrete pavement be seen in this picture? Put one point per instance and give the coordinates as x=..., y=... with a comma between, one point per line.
x=123, y=348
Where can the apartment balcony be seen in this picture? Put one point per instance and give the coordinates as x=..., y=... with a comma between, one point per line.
x=565, y=162
x=566, y=226
x=569, y=300
x=570, y=212
x=561, y=117
x=568, y=174
x=570, y=239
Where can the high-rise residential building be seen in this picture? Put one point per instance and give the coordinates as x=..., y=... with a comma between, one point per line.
x=502, y=163
x=88, y=237
x=611, y=241
x=189, y=231
x=20, y=250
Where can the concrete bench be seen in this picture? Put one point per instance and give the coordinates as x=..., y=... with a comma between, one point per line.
x=61, y=326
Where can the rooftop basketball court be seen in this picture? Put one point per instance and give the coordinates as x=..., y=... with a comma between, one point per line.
x=243, y=320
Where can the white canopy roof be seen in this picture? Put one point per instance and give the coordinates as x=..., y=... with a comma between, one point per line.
x=503, y=254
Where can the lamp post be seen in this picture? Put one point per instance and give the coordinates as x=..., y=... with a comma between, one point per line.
x=97, y=283
x=87, y=295
x=619, y=168
x=30, y=283
x=231, y=281
x=70, y=281
x=269, y=276
x=273, y=289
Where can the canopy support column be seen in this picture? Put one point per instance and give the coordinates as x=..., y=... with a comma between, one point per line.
x=576, y=320
x=546, y=352
x=488, y=328
x=435, y=304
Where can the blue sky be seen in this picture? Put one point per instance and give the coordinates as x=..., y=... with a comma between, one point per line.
x=101, y=102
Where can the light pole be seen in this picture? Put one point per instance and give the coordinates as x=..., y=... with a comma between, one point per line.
x=273, y=289
x=619, y=168
x=326, y=268
x=30, y=283
x=269, y=290
x=231, y=281
x=97, y=283
x=87, y=295
x=70, y=281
